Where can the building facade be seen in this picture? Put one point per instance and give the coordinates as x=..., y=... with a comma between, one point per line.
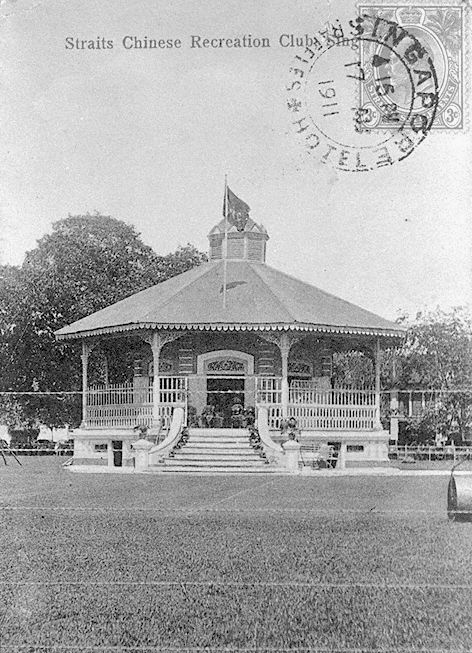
x=208, y=349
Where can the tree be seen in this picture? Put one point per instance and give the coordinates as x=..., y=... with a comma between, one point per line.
x=86, y=263
x=437, y=355
x=437, y=351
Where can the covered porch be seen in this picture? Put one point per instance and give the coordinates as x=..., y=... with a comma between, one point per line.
x=123, y=405
x=234, y=371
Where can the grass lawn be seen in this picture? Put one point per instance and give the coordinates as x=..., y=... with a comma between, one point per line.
x=146, y=563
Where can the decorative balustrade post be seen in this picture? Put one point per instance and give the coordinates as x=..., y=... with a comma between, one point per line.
x=394, y=415
x=292, y=455
x=378, y=423
x=141, y=454
x=86, y=351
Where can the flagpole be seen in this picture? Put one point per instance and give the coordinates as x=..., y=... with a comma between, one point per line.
x=225, y=249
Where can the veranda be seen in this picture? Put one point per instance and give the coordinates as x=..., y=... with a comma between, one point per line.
x=221, y=377
x=124, y=405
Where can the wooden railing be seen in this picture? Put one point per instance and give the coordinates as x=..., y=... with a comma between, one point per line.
x=268, y=390
x=119, y=405
x=317, y=409
x=329, y=417
x=303, y=392
x=129, y=405
x=269, y=395
x=333, y=410
x=173, y=390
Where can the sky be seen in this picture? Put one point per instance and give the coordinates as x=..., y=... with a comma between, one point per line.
x=147, y=136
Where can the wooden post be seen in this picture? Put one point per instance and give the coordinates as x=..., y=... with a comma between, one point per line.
x=156, y=390
x=394, y=415
x=105, y=369
x=284, y=351
x=284, y=342
x=86, y=350
x=378, y=424
x=157, y=340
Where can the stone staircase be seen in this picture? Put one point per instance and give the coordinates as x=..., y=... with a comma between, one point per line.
x=217, y=450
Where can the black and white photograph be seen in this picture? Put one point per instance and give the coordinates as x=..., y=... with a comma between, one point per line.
x=236, y=326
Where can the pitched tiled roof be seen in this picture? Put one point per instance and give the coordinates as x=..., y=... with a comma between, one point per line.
x=257, y=297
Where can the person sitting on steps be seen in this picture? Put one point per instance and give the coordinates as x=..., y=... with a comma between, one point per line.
x=208, y=416
x=237, y=414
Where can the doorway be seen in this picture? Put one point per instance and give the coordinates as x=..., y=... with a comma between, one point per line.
x=223, y=393
x=117, y=447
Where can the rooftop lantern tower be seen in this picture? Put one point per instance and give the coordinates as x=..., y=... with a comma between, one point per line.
x=237, y=236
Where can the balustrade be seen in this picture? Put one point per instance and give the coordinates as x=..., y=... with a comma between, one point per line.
x=128, y=404
x=318, y=409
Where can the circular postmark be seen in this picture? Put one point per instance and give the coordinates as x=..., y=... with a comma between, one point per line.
x=324, y=92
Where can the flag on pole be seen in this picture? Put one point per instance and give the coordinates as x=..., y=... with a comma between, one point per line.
x=235, y=210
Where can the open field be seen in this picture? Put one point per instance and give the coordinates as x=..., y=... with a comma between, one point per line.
x=105, y=562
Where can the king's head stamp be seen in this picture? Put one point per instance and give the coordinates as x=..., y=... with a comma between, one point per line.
x=364, y=95
x=442, y=30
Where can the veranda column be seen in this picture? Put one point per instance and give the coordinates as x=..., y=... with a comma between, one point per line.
x=105, y=369
x=157, y=340
x=156, y=346
x=394, y=415
x=86, y=350
x=284, y=342
x=284, y=352
x=378, y=424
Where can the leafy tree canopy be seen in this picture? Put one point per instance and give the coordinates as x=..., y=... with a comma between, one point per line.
x=436, y=356
x=86, y=263
x=438, y=350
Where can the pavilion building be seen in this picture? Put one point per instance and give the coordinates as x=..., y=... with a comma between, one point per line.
x=232, y=330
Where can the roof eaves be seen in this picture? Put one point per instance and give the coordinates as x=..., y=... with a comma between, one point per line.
x=220, y=326
x=330, y=295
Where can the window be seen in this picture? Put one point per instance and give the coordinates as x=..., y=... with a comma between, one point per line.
x=355, y=447
x=101, y=447
x=326, y=363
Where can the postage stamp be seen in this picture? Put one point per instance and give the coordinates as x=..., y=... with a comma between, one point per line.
x=439, y=28
x=323, y=93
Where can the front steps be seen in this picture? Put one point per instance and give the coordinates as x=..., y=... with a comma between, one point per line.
x=217, y=451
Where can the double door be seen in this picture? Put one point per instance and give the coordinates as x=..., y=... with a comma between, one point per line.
x=223, y=393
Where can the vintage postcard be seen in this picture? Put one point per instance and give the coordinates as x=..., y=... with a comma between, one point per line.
x=236, y=326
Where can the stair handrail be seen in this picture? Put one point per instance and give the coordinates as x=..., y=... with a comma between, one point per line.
x=163, y=448
x=273, y=450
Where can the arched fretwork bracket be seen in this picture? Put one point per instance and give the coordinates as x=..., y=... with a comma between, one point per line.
x=157, y=339
x=87, y=347
x=283, y=339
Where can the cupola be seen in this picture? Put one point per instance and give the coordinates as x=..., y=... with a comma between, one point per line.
x=237, y=236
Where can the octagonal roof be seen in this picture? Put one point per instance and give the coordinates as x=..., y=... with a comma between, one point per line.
x=258, y=297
